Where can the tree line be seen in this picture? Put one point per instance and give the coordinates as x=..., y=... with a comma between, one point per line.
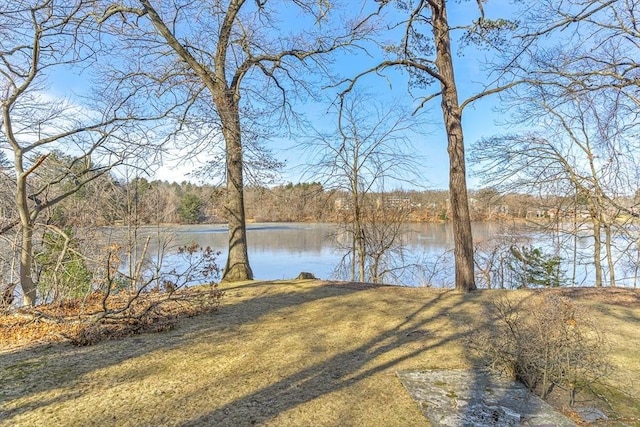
x=108, y=201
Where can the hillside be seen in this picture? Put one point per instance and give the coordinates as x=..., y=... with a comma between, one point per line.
x=286, y=353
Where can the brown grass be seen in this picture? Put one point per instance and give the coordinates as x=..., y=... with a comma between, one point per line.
x=287, y=353
x=98, y=317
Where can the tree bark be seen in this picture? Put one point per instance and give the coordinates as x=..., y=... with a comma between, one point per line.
x=608, y=247
x=29, y=293
x=237, y=267
x=597, y=250
x=359, y=234
x=357, y=220
x=463, y=239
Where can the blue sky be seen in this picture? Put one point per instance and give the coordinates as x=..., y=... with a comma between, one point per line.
x=479, y=119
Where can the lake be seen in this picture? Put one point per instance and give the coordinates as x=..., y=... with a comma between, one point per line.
x=283, y=250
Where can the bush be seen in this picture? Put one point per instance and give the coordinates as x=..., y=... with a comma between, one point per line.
x=534, y=268
x=63, y=272
x=545, y=342
x=148, y=312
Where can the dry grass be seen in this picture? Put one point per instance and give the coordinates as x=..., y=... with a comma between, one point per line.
x=98, y=317
x=288, y=353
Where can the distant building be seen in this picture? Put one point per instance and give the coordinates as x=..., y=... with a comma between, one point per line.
x=536, y=213
x=395, y=202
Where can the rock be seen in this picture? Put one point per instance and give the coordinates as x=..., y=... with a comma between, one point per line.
x=479, y=399
x=305, y=276
x=591, y=415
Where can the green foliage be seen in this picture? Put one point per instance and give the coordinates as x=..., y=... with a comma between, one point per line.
x=305, y=186
x=4, y=161
x=489, y=33
x=58, y=216
x=190, y=208
x=63, y=272
x=533, y=268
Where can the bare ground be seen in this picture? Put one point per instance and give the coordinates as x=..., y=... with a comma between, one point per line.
x=287, y=353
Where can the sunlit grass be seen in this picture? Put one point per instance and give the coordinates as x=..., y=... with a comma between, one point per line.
x=288, y=353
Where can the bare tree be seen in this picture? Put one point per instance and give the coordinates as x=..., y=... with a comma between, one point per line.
x=425, y=51
x=589, y=45
x=369, y=149
x=580, y=108
x=384, y=235
x=583, y=146
x=38, y=37
x=233, y=60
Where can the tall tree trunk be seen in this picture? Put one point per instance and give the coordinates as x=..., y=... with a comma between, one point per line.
x=360, y=244
x=29, y=293
x=609, y=254
x=463, y=240
x=375, y=266
x=226, y=100
x=575, y=239
x=353, y=257
x=237, y=267
x=358, y=221
x=636, y=269
x=597, y=251
x=26, y=266
x=361, y=257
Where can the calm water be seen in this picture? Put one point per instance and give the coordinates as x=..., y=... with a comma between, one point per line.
x=283, y=250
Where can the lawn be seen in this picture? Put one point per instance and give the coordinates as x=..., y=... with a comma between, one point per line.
x=286, y=353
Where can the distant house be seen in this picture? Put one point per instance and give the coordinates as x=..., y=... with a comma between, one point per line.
x=395, y=202
x=536, y=213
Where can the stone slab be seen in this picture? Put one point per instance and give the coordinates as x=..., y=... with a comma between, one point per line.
x=461, y=398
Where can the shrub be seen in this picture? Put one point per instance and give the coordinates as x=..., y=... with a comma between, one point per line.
x=63, y=272
x=148, y=312
x=532, y=267
x=546, y=342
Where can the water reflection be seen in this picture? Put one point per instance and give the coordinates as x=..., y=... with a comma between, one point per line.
x=283, y=250
x=278, y=250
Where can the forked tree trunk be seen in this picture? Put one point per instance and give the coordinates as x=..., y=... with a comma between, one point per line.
x=463, y=240
x=29, y=293
x=226, y=100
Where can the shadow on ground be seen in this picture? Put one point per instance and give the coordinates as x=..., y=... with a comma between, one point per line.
x=281, y=353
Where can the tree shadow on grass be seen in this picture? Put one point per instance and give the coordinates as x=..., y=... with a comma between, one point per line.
x=338, y=372
x=28, y=376
x=40, y=369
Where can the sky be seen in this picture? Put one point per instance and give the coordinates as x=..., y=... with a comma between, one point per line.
x=480, y=119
